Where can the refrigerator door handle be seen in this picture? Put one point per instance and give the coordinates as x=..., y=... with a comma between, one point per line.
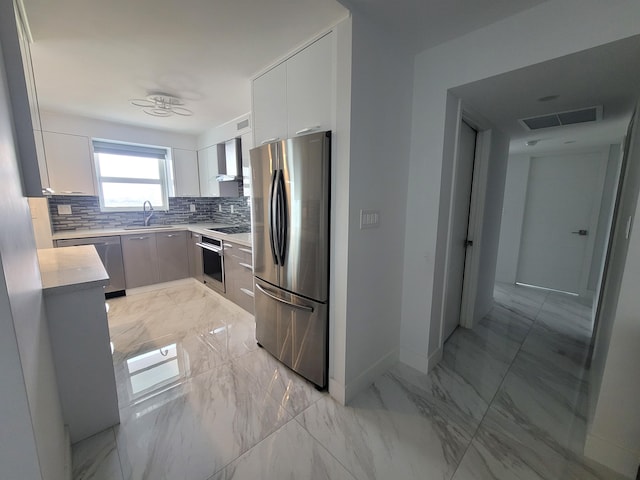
x=283, y=225
x=306, y=308
x=272, y=215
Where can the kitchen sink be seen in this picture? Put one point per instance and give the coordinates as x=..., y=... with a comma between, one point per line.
x=146, y=227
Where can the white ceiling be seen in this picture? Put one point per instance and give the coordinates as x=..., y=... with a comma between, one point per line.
x=91, y=56
x=608, y=75
x=426, y=23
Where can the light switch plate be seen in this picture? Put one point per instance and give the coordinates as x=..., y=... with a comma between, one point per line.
x=369, y=219
x=64, y=209
x=231, y=208
x=192, y=207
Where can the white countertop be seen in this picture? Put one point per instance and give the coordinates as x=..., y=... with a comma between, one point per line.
x=201, y=228
x=71, y=268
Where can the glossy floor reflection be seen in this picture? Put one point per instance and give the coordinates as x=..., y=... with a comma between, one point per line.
x=198, y=400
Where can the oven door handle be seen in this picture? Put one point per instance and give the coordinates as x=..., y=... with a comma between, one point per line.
x=306, y=308
x=209, y=247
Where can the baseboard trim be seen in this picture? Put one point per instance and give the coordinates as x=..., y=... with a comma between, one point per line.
x=415, y=360
x=370, y=375
x=68, y=459
x=612, y=456
x=435, y=358
x=337, y=391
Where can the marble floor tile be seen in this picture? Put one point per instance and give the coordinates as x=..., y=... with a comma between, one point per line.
x=389, y=431
x=195, y=429
x=140, y=302
x=480, y=363
x=504, y=450
x=549, y=403
x=237, y=338
x=289, y=453
x=290, y=390
x=448, y=391
x=149, y=368
x=96, y=458
x=520, y=300
x=557, y=350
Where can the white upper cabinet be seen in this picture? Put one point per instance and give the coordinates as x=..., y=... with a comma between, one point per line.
x=208, y=167
x=270, y=105
x=70, y=164
x=310, y=88
x=185, y=173
x=296, y=96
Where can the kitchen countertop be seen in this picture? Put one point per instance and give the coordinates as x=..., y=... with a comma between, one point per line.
x=201, y=228
x=70, y=268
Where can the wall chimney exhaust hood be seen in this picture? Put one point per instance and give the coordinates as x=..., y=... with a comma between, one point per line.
x=229, y=161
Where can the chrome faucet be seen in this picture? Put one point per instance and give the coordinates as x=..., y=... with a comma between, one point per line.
x=147, y=218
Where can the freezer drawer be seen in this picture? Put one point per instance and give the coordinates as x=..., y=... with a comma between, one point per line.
x=294, y=330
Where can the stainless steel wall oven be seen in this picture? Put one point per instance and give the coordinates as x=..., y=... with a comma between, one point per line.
x=212, y=262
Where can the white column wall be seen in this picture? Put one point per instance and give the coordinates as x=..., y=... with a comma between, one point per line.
x=381, y=86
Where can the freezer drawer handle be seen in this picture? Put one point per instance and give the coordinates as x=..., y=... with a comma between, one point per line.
x=306, y=308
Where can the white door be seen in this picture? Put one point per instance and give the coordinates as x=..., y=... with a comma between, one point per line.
x=560, y=217
x=463, y=180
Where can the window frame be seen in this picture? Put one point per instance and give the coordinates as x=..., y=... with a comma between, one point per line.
x=139, y=150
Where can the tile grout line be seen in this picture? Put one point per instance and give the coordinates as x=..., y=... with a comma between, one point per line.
x=318, y=441
x=475, y=433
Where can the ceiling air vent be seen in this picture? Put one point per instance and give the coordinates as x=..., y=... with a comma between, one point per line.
x=560, y=119
x=243, y=124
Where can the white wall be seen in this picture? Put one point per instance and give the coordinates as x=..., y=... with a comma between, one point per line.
x=224, y=132
x=90, y=127
x=614, y=430
x=515, y=196
x=32, y=443
x=549, y=30
x=496, y=176
x=381, y=85
x=604, y=217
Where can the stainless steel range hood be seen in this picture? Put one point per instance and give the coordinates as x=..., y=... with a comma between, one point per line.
x=229, y=161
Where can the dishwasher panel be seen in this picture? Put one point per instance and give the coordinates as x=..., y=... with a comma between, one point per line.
x=110, y=252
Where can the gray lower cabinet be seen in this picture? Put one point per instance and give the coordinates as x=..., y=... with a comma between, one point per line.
x=154, y=257
x=195, y=256
x=140, y=256
x=173, y=262
x=238, y=270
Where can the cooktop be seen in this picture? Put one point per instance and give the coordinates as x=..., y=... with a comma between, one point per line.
x=235, y=229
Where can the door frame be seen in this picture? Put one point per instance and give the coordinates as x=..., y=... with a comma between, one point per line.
x=583, y=286
x=476, y=213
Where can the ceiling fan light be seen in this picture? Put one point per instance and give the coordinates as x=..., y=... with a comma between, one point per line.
x=158, y=104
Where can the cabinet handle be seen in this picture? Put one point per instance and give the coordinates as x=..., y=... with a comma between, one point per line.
x=171, y=235
x=247, y=292
x=48, y=191
x=138, y=238
x=269, y=140
x=246, y=250
x=73, y=192
x=307, y=130
x=246, y=265
x=195, y=235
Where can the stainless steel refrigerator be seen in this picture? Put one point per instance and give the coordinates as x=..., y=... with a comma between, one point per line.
x=290, y=223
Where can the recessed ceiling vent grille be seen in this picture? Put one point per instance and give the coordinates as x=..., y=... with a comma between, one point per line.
x=561, y=119
x=243, y=124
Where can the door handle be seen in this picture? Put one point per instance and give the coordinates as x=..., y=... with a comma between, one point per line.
x=306, y=308
x=582, y=233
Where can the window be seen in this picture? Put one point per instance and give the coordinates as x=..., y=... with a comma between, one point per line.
x=130, y=174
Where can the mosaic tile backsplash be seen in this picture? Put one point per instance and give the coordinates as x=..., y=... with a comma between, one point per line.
x=86, y=214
